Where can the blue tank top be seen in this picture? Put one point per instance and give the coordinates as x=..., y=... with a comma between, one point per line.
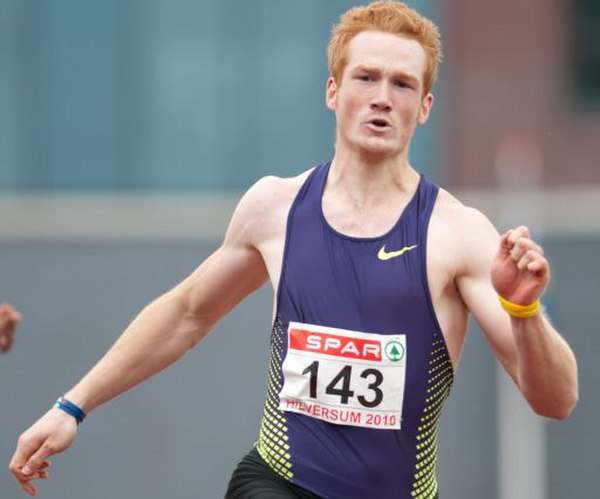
x=335, y=292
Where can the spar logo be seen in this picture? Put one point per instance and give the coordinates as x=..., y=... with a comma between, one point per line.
x=336, y=345
x=394, y=351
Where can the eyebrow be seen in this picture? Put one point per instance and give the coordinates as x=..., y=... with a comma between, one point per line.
x=374, y=69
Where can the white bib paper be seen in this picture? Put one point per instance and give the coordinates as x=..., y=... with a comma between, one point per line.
x=344, y=377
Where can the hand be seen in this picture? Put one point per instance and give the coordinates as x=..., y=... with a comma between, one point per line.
x=520, y=272
x=9, y=318
x=52, y=433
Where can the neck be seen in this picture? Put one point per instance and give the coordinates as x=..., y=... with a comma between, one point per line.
x=369, y=182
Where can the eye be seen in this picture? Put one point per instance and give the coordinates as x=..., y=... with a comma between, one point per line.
x=364, y=77
x=402, y=84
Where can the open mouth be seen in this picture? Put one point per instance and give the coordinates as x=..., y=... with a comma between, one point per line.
x=379, y=124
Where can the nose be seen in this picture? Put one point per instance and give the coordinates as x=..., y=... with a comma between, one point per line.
x=381, y=98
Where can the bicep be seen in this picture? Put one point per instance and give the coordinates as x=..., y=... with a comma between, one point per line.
x=225, y=278
x=234, y=270
x=238, y=267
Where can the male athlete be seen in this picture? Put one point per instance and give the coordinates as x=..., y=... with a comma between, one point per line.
x=375, y=271
x=9, y=319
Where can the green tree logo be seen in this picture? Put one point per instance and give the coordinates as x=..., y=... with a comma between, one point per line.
x=394, y=351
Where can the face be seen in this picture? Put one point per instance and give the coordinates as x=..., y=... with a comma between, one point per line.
x=380, y=100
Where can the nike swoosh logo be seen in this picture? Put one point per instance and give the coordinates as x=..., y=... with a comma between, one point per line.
x=384, y=255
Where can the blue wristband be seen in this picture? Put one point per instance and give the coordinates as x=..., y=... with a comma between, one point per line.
x=70, y=408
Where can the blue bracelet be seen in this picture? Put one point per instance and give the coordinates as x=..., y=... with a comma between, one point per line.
x=70, y=408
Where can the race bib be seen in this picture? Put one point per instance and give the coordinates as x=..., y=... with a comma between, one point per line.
x=344, y=377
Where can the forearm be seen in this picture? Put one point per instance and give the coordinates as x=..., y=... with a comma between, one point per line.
x=547, y=369
x=161, y=334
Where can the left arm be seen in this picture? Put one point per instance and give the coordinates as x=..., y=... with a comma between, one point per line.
x=533, y=353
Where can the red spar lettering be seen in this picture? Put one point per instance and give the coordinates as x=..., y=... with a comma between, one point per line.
x=332, y=344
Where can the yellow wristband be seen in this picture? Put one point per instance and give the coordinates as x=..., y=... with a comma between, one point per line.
x=521, y=311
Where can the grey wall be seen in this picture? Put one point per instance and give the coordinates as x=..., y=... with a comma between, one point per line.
x=180, y=434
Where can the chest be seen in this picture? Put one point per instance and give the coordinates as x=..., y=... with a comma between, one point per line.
x=351, y=220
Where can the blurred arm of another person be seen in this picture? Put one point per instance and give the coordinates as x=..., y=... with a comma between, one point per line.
x=9, y=319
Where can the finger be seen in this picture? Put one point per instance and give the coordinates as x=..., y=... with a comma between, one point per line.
x=38, y=475
x=5, y=341
x=527, y=258
x=8, y=324
x=539, y=266
x=29, y=488
x=34, y=463
x=43, y=467
x=525, y=245
x=8, y=313
x=520, y=231
x=15, y=316
x=46, y=464
x=504, y=246
x=504, y=239
x=26, y=483
x=511, y=238
x=522, y=246
x=26, y=446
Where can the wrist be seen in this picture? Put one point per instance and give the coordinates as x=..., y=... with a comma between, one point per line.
x=70, y=408
x=520, y=311
x=80, y=397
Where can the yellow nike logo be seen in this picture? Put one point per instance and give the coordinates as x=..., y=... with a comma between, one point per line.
x=384, y=255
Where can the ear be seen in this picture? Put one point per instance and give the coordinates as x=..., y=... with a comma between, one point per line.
x=426, y=106
x=331, y=93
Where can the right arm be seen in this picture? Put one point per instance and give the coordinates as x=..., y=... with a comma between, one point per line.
x=161, y=334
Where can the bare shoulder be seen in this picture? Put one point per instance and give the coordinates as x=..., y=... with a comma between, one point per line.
x=261, y=213
x=451, y=215
x=270, y=195
x=463, y=228
x=271, y=191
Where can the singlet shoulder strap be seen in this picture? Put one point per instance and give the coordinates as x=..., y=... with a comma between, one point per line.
x=428, y=193
x=310, y=191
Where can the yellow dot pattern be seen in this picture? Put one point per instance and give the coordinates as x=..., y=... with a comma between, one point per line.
x=439, y=379
x=272, y=442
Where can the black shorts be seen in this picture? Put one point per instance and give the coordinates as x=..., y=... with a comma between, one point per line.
x=253, y=479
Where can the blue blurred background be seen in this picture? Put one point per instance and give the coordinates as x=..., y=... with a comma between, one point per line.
x=150, y=95
x=129, y=129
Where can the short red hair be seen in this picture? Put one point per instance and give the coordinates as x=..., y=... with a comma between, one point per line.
x=389, y=17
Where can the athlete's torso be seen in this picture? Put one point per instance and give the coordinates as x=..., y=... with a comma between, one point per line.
x=338, y=298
